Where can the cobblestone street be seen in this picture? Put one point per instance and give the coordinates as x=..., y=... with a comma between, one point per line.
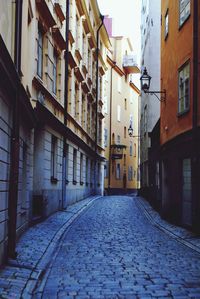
x=113, y=251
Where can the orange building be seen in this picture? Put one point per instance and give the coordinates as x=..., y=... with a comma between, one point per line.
x=179, y=123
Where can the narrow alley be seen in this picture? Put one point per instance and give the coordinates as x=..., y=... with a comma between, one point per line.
x=112, y=251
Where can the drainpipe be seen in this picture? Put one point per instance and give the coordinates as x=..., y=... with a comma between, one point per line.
x=65, y=105
x=195, y=164
x=14, y=155
x=97, y=95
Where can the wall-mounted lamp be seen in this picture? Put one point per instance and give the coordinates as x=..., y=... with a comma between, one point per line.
x=130, y=132
x=145, y=85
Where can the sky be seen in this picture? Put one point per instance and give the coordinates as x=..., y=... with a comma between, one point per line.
x=126, y=22
x=126, y=19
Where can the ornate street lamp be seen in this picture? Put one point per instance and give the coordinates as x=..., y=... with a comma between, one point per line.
x=130, y=132
x=145, y=85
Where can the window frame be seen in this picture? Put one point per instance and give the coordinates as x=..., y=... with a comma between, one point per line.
x=167, y=18
x=74, y=166
x=118, y=175
x=53, y=168
x=81, y=169
x=40, y=50
x=186, y=109
x=55, y=72
x=187, y=17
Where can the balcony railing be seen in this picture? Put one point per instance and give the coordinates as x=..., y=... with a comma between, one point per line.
x=130, y=64
x=117, y=151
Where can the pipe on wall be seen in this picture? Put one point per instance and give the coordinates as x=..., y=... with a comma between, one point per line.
x=65, y=105
x=97, y=92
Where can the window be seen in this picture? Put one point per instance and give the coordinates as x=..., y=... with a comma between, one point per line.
x=105, y=105
x=91, y=172
x=55, y=63
x=135, y=150
x=124, y=132
x=131, y=120
x=99, y=174
x=131, y=148
x=106, y=169
x=105, y=137
x=113, y=138
x=81, y=169
x=130, y=173
x=53, y=158
x=118, y=171
x=118, y=139
x=184, y=11
x=184, y=90
x=125, y=104
x=74, y=166
x=118, y=112
x=67, y=164
x=166, y=24
x=40, y=53
x=119, y=84
x=77, y=100
x=86, y=171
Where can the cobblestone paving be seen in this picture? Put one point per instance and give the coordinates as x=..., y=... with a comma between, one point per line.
x=34, y=250
x=112, y=251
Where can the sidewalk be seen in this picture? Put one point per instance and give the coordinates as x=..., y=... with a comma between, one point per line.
x=182, y=235
x=35, y=249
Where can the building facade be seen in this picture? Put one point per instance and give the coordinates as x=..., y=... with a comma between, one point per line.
x=17, y=121
x=121, y=112
x=179, y=127
x=149, y=105
x=51, y=130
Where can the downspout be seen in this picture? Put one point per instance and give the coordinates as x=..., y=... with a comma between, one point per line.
x=97, y=95
x=65, y=106
x=14, y=156
x=195, y=164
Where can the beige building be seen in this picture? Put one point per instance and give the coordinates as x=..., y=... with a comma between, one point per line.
x=51, y=151
x=121, y=113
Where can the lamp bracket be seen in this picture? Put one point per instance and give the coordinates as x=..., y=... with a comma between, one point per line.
x=162, y=97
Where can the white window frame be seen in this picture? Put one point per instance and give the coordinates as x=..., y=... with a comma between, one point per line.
x=184, y=88
x=166, y=23
x=40, y=48
x=119, y=84
x=118, y=113
x=184, y=11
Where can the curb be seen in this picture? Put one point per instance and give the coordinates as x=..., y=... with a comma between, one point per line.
x=41, y=267
x=169, y=232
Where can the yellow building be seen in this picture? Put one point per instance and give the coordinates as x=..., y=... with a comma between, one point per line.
x=121, y=113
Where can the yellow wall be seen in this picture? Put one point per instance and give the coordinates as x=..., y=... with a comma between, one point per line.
x=117, y=98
